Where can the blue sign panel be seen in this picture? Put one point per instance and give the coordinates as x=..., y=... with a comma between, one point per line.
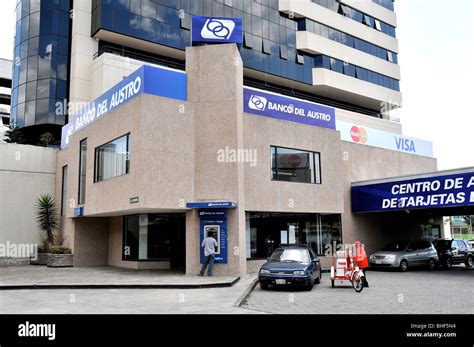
x=213, y=204
x=147, y=79
x=420, y=193
x=216, y=30
x=214, y=223
x=285, y=108
x=78, y=211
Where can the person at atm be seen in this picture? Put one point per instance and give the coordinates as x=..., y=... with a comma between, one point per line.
x=360, y=258
x=209, y=244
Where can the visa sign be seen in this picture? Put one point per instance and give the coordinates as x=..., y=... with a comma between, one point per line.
x=405, y=145
x=281, y=107
x=364, y=135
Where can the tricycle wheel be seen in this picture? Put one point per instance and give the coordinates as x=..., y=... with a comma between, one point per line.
x=357, y=283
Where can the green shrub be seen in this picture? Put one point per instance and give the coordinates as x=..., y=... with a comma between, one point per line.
x=60, y=250
x=43, y=249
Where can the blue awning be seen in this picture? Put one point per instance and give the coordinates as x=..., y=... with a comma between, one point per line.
x=212, y=204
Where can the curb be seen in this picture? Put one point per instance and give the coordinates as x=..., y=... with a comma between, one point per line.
x=246, y=293
x=120, y=286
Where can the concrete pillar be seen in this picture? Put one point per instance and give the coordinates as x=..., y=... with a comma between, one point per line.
x=215, y=84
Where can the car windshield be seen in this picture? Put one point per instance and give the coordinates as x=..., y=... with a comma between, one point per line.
x=290, y=256
x=396, y=246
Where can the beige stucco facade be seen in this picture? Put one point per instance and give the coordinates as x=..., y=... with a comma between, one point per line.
x=174, y=160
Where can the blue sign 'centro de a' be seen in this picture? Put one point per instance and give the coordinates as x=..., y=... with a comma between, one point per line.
x=420, y=193
x=285, y=108
x=163, y=82
x=216, y=30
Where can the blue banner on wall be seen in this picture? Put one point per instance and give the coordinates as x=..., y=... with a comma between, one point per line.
x=214, y=222
x=213, y=204
x=216, y=30
x=285, y=108
x=146, y=80
x=420, y=193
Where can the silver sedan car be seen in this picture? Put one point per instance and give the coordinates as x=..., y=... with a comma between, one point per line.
x=404, y=254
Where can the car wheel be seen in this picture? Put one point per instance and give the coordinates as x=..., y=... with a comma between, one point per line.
x=310, y=285
x=317, y=280
x=403, y=266
x=431, y=264
x=469, y=261
x=263, y=286
x=448, y=263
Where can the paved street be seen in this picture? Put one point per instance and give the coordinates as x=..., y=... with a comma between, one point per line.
x=437, y=292
x=414, y=292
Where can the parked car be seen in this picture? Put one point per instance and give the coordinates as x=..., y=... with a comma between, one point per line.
x=292, y=265
x=403, y=254
x=454, y=251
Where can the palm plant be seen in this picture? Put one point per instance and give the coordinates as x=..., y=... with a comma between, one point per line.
x=46, y=216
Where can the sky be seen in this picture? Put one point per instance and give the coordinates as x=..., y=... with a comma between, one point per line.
x=436, y=41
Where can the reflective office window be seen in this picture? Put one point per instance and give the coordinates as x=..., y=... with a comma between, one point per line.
x=294, y=165
x=82, y=171
x=64, y=191
x=112, y=159
x=269, y=230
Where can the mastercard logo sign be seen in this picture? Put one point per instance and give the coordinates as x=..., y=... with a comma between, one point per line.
x=359, y=134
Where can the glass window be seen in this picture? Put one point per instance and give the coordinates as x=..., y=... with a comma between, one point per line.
x=267, y=231
x=390, y=56
x=349, y=69
x=248, y=40
x=82, y=171
x=266, y=47
x=30, y=111
x=377, y=25
x=283, y=52
x=367, y=20
x=300, y=59
x=152, y=236
x=64, y=191
x=112, y=159
x=293, y=165
x=337, y=65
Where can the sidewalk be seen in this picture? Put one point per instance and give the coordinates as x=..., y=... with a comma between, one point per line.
x=107, y=290
x=42, y=277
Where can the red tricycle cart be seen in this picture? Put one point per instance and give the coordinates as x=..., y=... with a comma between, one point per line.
x=344, y=268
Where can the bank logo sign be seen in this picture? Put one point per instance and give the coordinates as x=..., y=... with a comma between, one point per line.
x=419, y=193
x=162, y=82
x=210, y=29
x=258, y=103
x=383, y=139
x=281, y=107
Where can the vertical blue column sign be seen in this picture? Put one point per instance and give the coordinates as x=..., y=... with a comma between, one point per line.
x=214, y=222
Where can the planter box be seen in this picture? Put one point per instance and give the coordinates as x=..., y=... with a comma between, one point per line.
x=59, y=260
x=41, y=260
